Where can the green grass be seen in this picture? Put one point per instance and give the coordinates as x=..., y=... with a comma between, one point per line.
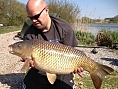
x=109, y=82
x=9, y=29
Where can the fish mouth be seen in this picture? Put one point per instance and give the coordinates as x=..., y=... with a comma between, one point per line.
x=10, y=49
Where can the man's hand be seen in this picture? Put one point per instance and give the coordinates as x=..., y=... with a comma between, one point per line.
x=78, y=71
x=31, y=62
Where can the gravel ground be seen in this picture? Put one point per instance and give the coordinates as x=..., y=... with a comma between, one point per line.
x=11, y=76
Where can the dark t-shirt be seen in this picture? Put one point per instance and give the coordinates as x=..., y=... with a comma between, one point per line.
x=60, y=31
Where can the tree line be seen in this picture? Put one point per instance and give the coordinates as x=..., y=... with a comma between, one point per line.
x=113, y=20
x=12, y=12
x=85, y=20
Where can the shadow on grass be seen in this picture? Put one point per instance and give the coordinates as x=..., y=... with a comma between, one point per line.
x=14, y=80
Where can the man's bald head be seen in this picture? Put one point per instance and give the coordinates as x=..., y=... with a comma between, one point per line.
x=35, y=6
x=38, y=12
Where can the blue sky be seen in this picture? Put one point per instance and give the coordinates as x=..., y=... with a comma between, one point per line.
x=95, y=9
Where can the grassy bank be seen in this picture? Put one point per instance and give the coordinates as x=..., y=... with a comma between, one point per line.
x=109, y=82
x=87, y=38
x=9, y=29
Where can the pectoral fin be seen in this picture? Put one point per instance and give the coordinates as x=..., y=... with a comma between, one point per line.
x=51, y=77
x=25, y=66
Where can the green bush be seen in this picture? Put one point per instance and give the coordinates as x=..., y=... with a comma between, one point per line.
x=85, y=38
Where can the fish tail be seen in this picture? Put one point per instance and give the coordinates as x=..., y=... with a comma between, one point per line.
x=99, y=74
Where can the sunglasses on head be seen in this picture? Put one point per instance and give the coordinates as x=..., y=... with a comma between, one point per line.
x=36, y=16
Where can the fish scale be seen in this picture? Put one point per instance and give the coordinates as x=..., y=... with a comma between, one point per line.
x=55, y=58
x=58, y=59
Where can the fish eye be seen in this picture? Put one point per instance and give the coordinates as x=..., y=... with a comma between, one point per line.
x=19, y=45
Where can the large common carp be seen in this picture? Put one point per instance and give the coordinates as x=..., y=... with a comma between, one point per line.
x=55, y=58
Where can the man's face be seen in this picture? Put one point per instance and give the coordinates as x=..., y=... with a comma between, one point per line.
x=39, y=18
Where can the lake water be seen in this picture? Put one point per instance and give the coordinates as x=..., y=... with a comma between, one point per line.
x=95, y=28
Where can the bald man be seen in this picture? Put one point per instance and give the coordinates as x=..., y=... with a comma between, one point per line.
x=53, y=29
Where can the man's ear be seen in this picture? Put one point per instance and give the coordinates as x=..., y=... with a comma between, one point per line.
x=47, y=9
